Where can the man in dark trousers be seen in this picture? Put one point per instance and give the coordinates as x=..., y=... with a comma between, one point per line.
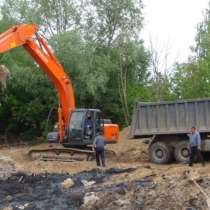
x=99, y=144
x=195, y=146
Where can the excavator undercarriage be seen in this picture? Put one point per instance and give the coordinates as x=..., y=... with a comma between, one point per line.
x=61, y=154
x=56, y=153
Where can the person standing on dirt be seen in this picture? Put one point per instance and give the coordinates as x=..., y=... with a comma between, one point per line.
x=195, y=146
x=99, y=144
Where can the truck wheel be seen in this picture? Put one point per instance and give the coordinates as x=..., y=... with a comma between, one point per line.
x=182, y=152
x=160, y=153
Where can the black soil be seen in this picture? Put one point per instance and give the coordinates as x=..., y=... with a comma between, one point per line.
x=44, y=191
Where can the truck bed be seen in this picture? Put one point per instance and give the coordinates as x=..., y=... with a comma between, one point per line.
x=151, y=118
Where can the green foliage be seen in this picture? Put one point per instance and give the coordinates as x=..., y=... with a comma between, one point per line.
x=54, y=17
x=98, y=44
x=112, y=19
x=24, y=107
x=88, y=67
x=192, y=80
x=29, y=95
x=100, y=51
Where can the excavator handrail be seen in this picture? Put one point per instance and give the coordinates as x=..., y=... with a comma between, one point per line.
x=24, y=35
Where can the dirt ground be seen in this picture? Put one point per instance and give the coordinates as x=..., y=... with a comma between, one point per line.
x=128, y=153
x=170, y=185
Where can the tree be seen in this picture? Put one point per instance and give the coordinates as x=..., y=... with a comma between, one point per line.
x=52, y=16
x=98, y=44
x=131, y=71
x=87, y=66
x=23, y=106
x=192, y=79
x=202, y=39
x=111, y=19
x=160, y=82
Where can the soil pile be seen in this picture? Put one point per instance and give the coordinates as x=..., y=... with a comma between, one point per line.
x=168, y=193
x=130, y=150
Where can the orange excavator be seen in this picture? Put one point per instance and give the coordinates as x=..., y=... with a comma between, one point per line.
x=76, y=127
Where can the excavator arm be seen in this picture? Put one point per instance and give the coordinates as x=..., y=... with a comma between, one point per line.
x=26, y=35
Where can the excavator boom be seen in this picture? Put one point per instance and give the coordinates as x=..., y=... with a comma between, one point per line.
x=26, y=35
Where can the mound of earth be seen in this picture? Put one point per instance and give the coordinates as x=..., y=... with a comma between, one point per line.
x=130, y=150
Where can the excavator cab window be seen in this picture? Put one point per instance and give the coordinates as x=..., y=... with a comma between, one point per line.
x=75, y=127
x=83, y=127
x=89, y=126
x=99, y=122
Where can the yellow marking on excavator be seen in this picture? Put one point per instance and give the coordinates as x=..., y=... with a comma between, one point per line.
x=13, y=44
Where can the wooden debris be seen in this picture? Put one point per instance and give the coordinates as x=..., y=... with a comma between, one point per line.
x=193, y=176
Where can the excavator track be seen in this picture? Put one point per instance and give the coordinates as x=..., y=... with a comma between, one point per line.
x=65, y=154
x=46, y=154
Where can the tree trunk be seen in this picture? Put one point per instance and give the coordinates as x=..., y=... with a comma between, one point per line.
x=123, y=91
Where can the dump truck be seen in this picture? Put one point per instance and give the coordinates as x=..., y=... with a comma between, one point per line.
x=167, y=125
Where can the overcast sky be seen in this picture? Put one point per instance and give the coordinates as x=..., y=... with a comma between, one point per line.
x=172, y=24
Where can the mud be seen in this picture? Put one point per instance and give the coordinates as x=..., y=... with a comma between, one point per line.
x=44, y=191
x=157, y=192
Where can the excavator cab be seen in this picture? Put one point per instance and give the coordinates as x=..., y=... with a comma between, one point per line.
x=84, y=125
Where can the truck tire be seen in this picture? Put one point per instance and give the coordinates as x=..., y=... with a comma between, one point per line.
x=160, y=153
x=182, y=152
